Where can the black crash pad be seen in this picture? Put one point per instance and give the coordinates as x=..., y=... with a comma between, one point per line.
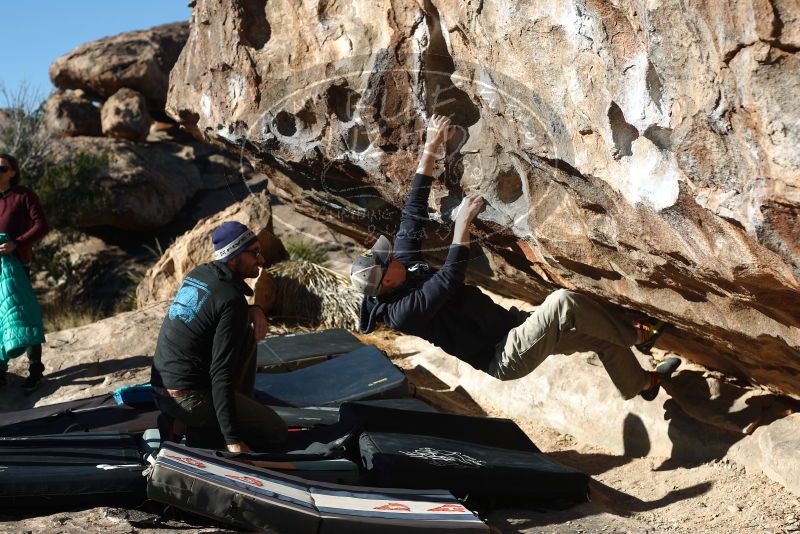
x=468, y=469
x=99, y=413
x=60, y=471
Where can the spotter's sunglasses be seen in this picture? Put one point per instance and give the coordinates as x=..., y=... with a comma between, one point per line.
x=255, y=253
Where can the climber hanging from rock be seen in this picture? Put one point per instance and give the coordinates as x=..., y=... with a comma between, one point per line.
x=409, y=296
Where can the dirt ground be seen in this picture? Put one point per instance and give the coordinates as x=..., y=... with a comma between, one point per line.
x=631, y=495
x=634, y=495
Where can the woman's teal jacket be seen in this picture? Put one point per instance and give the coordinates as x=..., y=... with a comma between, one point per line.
x=20, y=315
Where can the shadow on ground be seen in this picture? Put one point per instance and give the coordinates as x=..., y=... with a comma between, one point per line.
x=87, y=374
x=607, y=508
x=426, y=386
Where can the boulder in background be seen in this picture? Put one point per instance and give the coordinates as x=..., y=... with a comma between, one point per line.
x=124, y=116
x=194, y=248
x=142, y=186
x=70, y=114
x=138, y=60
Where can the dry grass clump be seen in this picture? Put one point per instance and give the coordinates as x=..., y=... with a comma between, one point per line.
x=58, y=316
x=315, y=295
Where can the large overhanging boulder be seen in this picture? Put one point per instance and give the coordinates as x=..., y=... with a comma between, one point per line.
x=643, y=152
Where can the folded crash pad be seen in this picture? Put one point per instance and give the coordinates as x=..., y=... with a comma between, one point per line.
x=259, y=499
x=365, y=373
x=420, y=461
x=100, y=413
x=290, y=352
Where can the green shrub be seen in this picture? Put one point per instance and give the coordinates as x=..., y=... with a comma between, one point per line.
x=69, y=190
x=302, y=250
x=52, y=259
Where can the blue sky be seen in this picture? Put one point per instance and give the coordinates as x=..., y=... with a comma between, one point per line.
x=35, y=32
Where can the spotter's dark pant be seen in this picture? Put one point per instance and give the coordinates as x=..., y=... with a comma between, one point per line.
x=258, y=425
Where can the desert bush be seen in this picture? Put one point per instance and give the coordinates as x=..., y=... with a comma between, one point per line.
x=127, y=300
x=59, y=316
x=67, y=189
x=310, y=294
x=52, y=259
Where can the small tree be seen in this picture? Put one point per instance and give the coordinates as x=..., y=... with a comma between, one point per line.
x=22, y=131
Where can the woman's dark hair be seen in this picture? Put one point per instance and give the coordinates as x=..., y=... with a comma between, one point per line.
x=14, y=165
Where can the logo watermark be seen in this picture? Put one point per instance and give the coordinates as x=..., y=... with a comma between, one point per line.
x=351, y=135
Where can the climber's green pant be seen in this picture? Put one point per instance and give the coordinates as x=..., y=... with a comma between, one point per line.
x=565, y=323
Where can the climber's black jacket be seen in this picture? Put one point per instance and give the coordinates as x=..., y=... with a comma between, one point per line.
x=437, y=305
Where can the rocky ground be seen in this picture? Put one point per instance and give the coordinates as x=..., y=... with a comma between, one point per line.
x=636, y=495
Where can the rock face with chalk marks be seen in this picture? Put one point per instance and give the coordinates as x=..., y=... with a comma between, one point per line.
x=647, y=154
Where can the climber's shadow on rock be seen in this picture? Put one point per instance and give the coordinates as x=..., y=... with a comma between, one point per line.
x=636, y=442
x=619, y=503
